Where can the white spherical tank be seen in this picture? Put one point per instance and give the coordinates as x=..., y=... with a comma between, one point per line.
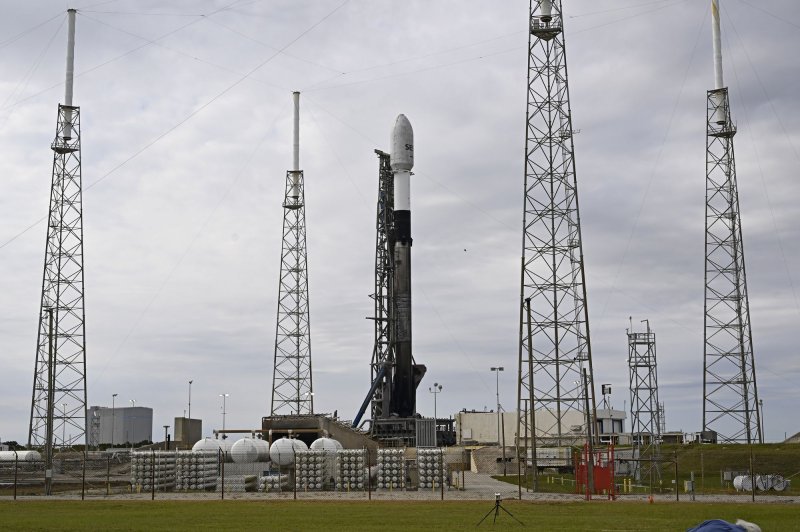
x=214, y=445
x=326, y=444
x=299, y=445
x=263, y=450
x=244, y=451
x=22, y=456
x=206, y=445
x=282, y=452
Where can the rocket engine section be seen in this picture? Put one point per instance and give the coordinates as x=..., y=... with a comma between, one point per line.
x=407, y=374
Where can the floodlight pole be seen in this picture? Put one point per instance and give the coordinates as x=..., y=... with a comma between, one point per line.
x=113, y=417
x=224, y=398
x=500, y=436
x=435, y=390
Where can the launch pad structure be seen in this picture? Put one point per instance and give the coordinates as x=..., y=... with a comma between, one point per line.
x=395, y=375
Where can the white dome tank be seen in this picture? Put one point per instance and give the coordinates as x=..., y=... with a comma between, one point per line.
x=22, y=456
x=282, y=452
x=326, y=444
x=299, y=445
x=207, y=444
x=214, y=445
x=263, y=450
x=244, y=451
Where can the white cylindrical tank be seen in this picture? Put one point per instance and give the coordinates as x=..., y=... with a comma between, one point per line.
x=244, y=451
x=326, y=444
x=743, y=483
x=22, y=456
x=299, y=445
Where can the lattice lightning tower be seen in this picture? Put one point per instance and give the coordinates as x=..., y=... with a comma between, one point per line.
x=292, y=390
x=554, y=354
x=645, y=408
x=59, y=379
x=730, y=395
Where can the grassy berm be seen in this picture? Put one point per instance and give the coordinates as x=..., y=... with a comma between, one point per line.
x=383, y=516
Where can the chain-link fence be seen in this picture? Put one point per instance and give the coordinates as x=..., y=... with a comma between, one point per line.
x=295, y=472
x=685, y=473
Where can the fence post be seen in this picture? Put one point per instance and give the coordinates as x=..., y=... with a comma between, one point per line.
x=464, y=469
x=152, y=475
x=222, y=461
x=108, y=475
x=677, y=491
x=83, y=474
x=294, y=461
x=752, y=475
x=369, y=477
x=16, y=466
x=519, y=471
x=702, y=475
x=441, y=470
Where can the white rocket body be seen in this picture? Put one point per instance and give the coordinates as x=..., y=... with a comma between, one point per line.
x=403, y=397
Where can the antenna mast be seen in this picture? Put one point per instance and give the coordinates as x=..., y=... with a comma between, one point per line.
x=554, y=342
x=645, y=408
x=730, y=396
x=292, y=390
x=62, y=379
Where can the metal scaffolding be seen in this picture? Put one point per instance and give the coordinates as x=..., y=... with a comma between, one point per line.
x=645, y=408
x=62, y=296
x=383, y=351
x=557, y=349
x=730, y=396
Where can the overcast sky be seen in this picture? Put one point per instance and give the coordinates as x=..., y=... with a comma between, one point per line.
x=184, y=164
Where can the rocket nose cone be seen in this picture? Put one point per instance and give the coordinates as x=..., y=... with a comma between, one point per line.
x=402, y=154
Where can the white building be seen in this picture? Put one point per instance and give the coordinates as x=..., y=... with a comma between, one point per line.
x=487, y=428
x=127, y=425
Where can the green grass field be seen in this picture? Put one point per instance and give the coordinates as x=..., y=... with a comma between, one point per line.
x=384, y=516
